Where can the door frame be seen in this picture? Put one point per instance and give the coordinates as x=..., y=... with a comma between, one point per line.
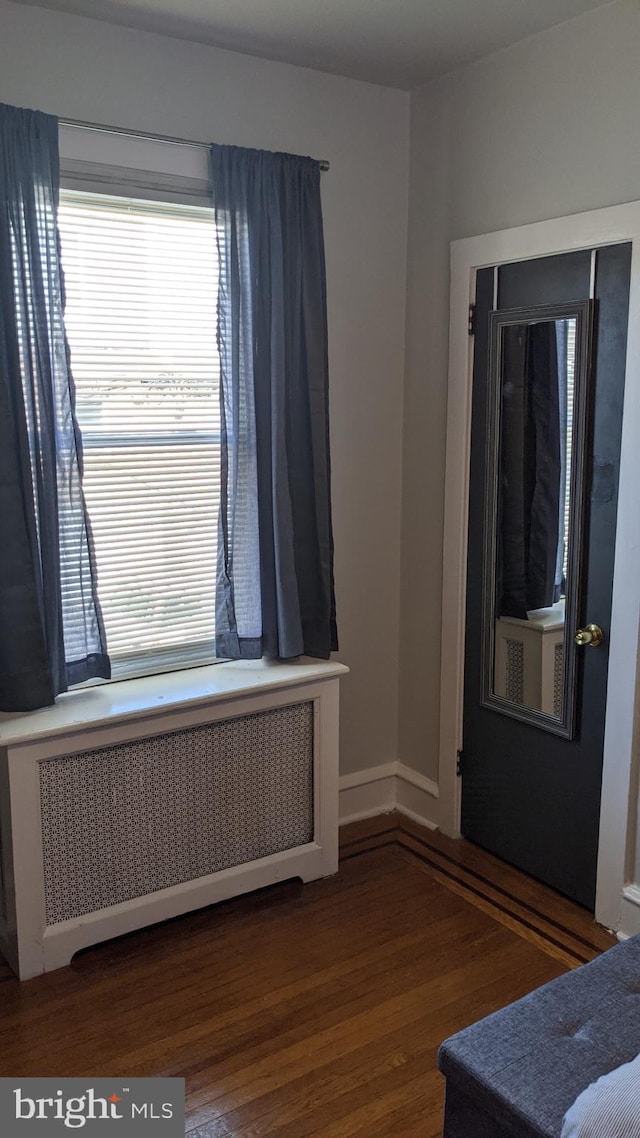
x=617, y=895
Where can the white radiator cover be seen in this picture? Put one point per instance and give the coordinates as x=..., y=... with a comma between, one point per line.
x=529, y=659
x=115, y=826
x=124, y=821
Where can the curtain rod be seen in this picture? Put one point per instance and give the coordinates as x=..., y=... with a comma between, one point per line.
x=323, y=163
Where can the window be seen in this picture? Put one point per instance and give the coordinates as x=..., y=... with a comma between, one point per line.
x=141, y=281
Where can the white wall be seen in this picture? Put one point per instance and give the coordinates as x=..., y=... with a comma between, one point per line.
x=546, y=128
x=83, y=69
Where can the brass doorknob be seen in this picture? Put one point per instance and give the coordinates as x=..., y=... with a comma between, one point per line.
x=591, y=635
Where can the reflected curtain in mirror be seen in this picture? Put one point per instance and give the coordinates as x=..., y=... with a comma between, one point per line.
x=533, y=433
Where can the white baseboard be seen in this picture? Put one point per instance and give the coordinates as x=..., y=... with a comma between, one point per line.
x=629, y=913
x=392, y=786
x=417, y=797
x=367, y=793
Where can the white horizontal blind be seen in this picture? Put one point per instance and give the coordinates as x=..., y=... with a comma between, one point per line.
x=141, y=280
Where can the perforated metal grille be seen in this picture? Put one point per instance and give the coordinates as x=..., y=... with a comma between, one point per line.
x=124, y=821
x=514, y=688
x=558, y=679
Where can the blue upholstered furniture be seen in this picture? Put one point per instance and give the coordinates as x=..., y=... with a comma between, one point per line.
x=516, y=1073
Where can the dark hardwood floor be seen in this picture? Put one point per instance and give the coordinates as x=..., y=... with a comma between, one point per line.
x=307, y=1011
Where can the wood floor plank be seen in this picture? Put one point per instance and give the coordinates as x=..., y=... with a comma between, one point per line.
x=508, y=880
x=357, y=1027
x=536, y=930
x=302, y=1012
x=350, y=1082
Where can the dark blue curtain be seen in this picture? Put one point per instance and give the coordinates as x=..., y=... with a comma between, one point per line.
x=51, y=632
x=275, y=594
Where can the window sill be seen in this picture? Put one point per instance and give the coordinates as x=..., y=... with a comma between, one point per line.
x=140, y=698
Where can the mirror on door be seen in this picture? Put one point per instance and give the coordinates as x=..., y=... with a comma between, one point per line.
x=537, y=392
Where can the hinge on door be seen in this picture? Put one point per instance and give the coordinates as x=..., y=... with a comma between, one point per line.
x=459, y=759
x=472, y=319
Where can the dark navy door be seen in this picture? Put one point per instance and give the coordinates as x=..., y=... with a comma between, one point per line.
x=530, y=796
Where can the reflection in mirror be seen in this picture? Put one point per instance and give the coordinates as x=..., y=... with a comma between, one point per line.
x=534, y=515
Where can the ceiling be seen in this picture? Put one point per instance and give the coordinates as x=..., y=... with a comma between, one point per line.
x=398, y=43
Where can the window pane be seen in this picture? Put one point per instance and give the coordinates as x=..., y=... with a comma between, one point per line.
x=141, y=320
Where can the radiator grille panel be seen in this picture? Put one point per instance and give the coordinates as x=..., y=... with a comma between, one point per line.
x=558, y=680
x=515, y=672
x=127, y=820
